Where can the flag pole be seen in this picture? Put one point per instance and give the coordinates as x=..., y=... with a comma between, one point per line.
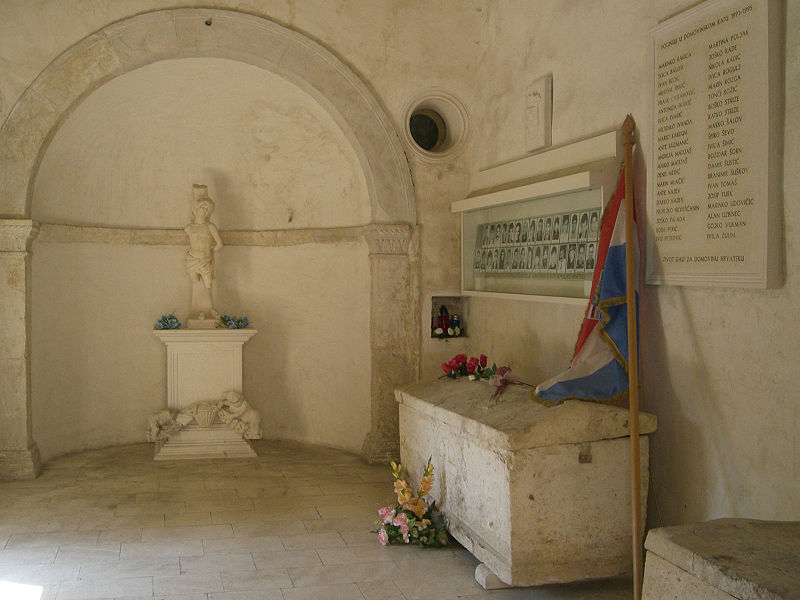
x=628, y=139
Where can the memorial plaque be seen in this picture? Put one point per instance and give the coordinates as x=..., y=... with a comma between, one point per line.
x=714, y=167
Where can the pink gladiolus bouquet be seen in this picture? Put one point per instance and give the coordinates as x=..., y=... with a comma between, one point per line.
x=412, y=520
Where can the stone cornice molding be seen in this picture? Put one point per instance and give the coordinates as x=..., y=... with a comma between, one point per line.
x=381, y=239
x=388, y=239
x=16, y=234
x=196, y=336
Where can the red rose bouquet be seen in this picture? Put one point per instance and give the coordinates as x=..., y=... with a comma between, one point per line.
x=474, y=367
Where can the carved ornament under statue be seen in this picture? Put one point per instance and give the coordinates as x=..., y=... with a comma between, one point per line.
x=233, y=410
x=204, y=243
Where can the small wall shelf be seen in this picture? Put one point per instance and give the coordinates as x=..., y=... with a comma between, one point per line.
x=455, y=307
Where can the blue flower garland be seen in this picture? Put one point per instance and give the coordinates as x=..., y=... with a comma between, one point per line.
x=234, y=322
x=169, y=321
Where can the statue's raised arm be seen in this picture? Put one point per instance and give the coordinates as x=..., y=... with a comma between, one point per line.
x=215, y=234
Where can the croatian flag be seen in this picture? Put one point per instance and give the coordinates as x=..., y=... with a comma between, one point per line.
x=599, y=367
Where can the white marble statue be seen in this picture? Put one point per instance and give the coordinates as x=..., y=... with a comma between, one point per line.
x=204, y=243
x=240, y=416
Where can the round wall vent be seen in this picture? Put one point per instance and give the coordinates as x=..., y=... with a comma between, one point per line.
x=427, y=129
x=436, y=125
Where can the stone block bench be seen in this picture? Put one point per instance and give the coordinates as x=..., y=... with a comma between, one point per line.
x=725, y=559
x=539, y=494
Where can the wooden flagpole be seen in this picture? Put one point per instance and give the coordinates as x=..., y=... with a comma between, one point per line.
x=628, y=139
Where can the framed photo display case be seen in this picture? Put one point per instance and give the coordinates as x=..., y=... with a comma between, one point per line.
x=537, y=240
x=542, y=246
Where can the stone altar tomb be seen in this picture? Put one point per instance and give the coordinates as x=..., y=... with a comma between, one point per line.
x=539, y=494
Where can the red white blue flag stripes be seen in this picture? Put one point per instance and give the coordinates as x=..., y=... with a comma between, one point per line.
x=599, y=367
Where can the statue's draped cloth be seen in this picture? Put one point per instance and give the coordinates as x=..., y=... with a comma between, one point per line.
x=202, y=266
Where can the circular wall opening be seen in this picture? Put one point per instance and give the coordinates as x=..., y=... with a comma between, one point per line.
x=428, y=129
x=436, y=126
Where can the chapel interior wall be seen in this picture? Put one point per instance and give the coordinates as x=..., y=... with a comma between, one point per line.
x=717, y=365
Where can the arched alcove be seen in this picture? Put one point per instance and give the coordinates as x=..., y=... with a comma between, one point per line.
x=374, y=245
x=124, y=160
x=175, y=33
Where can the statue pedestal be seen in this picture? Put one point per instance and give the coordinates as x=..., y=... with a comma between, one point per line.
x=201, y=323
x=202, y=364
x=214, y=441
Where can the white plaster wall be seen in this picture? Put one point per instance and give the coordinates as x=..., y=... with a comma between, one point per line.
x=97, y=369
x=399, y=46
x=270, y=154
x=718, y=365
x=309, y=367
x=127, y=157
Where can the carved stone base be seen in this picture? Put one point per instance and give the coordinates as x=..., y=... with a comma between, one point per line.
x=216, y=441
x=20, y=464
x=378, y=446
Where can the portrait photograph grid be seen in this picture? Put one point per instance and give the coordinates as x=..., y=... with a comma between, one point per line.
x=555, y=244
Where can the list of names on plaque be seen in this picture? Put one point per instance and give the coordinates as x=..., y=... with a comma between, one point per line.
x=705, y=212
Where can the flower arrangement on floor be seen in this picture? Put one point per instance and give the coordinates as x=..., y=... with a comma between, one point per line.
x=476, y=368
x=412, y=520
x=169, y=321
x=234, y=322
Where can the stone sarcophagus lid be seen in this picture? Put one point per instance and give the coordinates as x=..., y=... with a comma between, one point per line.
x=724, y=559
x=538, y=494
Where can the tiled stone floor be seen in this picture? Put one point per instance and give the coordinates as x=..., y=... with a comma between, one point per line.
x=293, y=524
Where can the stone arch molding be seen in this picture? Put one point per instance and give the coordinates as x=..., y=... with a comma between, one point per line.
x=181, y=33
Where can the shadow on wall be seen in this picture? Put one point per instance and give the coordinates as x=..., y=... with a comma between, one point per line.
x=308, y=369
x=266, y=357
x=699, y=454
x=266, y=377
x=229, y=204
